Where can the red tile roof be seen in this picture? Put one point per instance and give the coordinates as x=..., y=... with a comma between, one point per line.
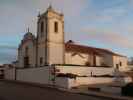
x=80, y=48
x=71, y=46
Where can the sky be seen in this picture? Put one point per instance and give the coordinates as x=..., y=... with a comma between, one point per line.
x=99, y=23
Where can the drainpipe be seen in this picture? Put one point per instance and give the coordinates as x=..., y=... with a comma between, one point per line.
x=15, y=74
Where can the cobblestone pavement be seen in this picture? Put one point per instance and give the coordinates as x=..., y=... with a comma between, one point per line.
x=18, y=91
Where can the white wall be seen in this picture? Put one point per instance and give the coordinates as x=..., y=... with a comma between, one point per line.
x=35, y=75
x=77, y=59
x=108, y=59
x=69, y=83
x=85, y=70
x=123, y=60
x=109, y=89
x=93, y=80
x=31, y=53
x=9, y=73
x=63, y=82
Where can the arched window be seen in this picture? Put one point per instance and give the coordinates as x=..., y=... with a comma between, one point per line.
x=26, y=58
x=26, y=51
x=56, y=27
x=42, y=27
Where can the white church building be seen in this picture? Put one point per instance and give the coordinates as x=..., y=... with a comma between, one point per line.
x=47, y=59
x=49, y=47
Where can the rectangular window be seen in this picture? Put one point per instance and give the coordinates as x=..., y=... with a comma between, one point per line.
x=42, y=27
x=26, y=62
x=41, y=60
x=56, y=27
x=117, y=66
x=120, y=63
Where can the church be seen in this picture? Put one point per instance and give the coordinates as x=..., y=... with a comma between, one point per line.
x=49, y=47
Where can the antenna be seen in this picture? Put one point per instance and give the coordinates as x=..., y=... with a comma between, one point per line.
x=38, y=13
x=50, y=4
x=27, y=30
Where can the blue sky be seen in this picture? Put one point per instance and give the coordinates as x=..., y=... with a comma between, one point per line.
x=100, y=23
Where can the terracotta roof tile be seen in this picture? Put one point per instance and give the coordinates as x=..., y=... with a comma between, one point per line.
x=71, y=46
x=80, y=48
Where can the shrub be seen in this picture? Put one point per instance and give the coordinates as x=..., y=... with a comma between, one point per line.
x=87, y=63
x=127, y=90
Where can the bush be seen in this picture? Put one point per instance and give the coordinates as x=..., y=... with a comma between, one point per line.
x=87, y=63
x=127, y=90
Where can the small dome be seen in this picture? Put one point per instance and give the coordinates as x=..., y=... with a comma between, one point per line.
x=29, y=35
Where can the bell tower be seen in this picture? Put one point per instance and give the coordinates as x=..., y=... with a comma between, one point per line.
x=50, y=38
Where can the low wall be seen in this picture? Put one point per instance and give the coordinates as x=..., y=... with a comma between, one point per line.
x=65, y=82
x=35, y=75
x=44, y=75
x=87, y=71
x=68, y=82
x=93, y=80
x=109, y=89
x=9, y=73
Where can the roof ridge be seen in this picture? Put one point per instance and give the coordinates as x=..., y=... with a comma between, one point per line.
x=94, y=49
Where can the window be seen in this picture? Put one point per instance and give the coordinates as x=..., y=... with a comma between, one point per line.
x=41, y=60
x=26, y=62
x=56, y=27
x=117, y=66
x=42, y=27
x=26, y=58
x=26, y=51
x=120, y=63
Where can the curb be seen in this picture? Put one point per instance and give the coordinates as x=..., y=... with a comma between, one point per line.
x=112, y=97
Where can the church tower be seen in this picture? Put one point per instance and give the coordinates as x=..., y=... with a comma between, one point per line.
x=50, y=37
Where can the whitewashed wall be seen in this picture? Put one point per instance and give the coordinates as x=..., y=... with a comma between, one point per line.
x=9, y=73
x=85, y=70
x=35, y=75
x=31, y=53
x=93, y=80
x=69, y=83
x=123, y=60
x=78, y=58
x=64, y=82
x=109, y=89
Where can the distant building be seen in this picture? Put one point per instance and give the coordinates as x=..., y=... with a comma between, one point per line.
x=49, y=47
x=1, y=71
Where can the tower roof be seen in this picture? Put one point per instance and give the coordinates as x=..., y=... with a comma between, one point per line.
x=50, y=9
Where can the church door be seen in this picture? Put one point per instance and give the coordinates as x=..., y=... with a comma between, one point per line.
x=26, y=61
